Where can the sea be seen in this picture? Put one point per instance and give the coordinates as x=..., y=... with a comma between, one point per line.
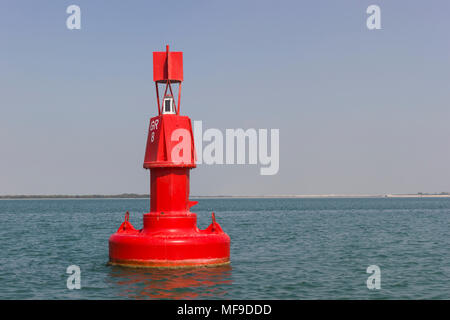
x=280, y=249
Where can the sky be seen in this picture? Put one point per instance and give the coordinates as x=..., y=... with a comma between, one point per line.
x=359, y=111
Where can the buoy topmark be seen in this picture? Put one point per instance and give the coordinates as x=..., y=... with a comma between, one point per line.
x=169, y=237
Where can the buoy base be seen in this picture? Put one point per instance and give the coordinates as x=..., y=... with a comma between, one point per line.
x=169, y=241
x=173, y=264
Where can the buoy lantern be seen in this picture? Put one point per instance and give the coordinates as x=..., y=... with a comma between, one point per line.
x=170, y=236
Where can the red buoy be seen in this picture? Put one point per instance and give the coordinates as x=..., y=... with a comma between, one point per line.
x=169, y=237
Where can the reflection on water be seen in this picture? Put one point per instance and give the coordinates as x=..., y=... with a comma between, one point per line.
x=184, y=283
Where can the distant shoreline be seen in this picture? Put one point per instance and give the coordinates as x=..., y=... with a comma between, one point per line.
x=146, y=196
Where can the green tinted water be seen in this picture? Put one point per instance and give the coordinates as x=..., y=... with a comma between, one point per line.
x=280, y=249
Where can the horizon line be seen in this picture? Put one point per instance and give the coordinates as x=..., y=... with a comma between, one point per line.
x=274, y=196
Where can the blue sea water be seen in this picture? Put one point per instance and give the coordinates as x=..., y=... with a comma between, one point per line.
x=280, y=249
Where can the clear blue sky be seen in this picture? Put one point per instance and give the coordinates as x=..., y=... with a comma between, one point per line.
x=370, y=110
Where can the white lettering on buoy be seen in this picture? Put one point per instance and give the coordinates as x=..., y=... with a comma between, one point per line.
x=153, y=128
x=154, y=125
